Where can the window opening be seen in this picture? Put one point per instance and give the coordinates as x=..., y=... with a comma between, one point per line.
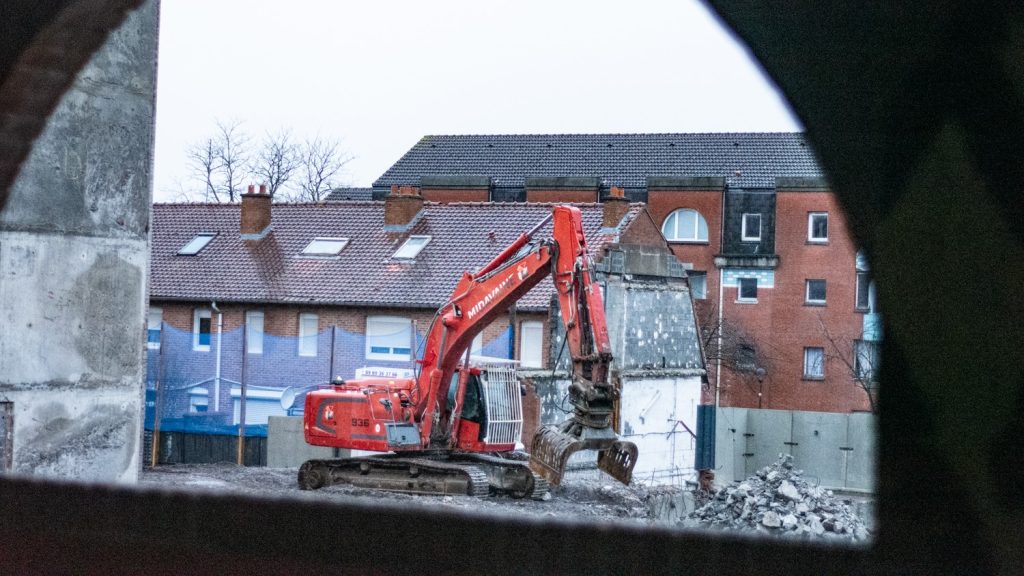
x=201, y=329
x=685, y=225
x=751, y=227
x=254, y=332
x=747, y=289
x=698, y=284
x=309, y=328
x=154, y=322
x=531, y=344
x=388, y=338
x=817, y=227
x=325, y=247
x=411, y=247
x=814, y=363
x=196, y=244
x=815, y=292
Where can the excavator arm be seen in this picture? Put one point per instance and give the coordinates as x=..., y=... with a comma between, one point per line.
x=480, y=297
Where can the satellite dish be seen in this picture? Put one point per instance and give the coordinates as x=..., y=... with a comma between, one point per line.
x=288, y=397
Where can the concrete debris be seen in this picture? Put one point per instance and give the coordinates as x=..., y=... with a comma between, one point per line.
x=777, y=500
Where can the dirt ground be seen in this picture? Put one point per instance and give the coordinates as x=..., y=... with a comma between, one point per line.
x=579, y=497
x=588, y=496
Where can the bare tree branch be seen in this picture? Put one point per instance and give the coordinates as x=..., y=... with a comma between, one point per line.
x=234, y=158
x=322, y=161
x=276, y=160
x=859, y=357
x=204, y=160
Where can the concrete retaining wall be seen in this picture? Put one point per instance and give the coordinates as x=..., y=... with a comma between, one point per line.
x=74, y=256
x=837, y=450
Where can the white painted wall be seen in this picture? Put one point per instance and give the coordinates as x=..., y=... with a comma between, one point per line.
x=652, y=409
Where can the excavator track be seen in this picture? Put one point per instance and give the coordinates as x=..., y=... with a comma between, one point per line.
x=396, y=474
x=510, y=473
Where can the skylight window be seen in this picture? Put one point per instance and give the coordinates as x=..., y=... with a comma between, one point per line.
x=196, y=244
x=411, y=247
x=325, y=247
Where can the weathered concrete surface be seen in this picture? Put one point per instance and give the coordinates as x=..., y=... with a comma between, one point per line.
x=286, y=446
x=837, y=451
x=73, y=268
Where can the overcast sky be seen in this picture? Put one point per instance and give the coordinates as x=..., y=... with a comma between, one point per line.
x=379, y=75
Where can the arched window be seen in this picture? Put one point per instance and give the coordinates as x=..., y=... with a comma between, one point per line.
x=685, y=225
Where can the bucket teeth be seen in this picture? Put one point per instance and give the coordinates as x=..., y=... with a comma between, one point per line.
x=552, y=448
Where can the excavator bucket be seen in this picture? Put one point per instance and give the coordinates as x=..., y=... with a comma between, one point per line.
x=552, y=448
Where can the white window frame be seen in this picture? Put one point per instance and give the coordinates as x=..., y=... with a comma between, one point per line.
x=807, y=292
x=869, y=306
x=531, y=344
x=811, y=217
x=739, y=290
x=476, y=348
x=750, y=237
x=154, y=322
x=701, y=294
x=388, y=332
x=411, y=248
x=699, y=225
x=809, y=363
x=197, y=316
x=309, y=342
x=197, y=244
x=865, y=359
x=317, y=247
x=254, y=331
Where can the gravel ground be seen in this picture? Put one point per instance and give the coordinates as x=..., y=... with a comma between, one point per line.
x=578, y=497
x=587, y=496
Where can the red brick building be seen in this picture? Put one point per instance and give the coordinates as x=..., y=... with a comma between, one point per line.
x=784, y=300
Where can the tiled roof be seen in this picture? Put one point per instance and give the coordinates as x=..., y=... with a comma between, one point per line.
x=745, y=159
x=339, y=194
x=364, y=274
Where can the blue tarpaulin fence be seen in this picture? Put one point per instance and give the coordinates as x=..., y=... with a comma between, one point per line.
x=194, y=379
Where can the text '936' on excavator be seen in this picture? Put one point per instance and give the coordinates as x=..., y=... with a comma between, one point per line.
x=453, y=427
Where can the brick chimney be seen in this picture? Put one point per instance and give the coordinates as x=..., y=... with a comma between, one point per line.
x=401, y=207
x=616, y=205
x=255, y=222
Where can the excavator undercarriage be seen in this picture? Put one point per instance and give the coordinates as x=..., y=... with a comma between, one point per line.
x=475, y=475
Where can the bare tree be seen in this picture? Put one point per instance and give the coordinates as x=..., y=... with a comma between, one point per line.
x=234, y=159
x=276, y=160
x=220, y=162
x=742, y=357
x=322, y=161
x=858, y=356
x=203, y=158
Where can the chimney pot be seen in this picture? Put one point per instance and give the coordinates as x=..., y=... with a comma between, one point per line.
x=402, y=206
x=616, y=205
x=255, y=214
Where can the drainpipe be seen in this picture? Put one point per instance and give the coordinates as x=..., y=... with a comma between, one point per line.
x=216, y=373
x=718, y=360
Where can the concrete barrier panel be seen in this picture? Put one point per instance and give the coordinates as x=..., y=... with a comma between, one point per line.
x=818, y=438
x=863, y=438
x=286, y=445
x=730, y=444
x=768, y=432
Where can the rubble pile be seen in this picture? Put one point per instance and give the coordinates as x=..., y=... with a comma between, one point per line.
x=777, y=500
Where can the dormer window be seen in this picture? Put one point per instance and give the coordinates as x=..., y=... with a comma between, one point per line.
x=751, y=231
x=195, y=245
x=325, y=247
x=411, y=247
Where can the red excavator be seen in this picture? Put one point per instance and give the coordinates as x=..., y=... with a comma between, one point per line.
x=452, y=429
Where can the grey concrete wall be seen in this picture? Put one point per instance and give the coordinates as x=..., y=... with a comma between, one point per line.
x=286, y=446
x=835, y=450
x=74, y=256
